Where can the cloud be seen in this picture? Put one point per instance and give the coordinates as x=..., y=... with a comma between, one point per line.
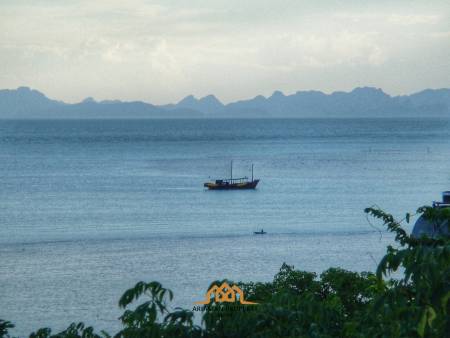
x=408, y=20
x=440, y=35
x=171, y=49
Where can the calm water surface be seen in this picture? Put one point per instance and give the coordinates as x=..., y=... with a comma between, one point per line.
x=88, y=208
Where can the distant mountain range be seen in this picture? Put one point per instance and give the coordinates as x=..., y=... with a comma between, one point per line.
x=366, y=102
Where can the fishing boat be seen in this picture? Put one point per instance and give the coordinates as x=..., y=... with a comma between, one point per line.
x=232, y=183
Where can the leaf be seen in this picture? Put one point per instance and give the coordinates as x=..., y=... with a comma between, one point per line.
x=431, y=316
x=428, y=317
x=422, y=323
x=444, y=301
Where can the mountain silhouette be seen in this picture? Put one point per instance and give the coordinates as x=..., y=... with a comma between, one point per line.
x=361, y=102
x=208, y=104
x=27, y=103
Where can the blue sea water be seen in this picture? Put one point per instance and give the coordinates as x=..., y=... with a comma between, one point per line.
x=90, y=207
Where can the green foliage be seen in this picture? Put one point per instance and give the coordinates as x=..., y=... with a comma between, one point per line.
x=416, y=304
x=153, y=318
x=75, y=330
x=4, y=326
x=338, y=303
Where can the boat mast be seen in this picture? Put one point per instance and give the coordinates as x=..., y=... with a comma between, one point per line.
x=252, y=172
x=231, y=169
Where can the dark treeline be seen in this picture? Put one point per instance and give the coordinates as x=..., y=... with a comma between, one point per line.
x=338, y=303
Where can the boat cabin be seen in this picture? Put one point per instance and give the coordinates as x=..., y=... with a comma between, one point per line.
x=445, y=201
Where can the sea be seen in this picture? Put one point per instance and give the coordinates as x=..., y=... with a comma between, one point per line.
x=90, y=207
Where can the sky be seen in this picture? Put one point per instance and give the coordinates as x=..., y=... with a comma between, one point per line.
x=162, y=51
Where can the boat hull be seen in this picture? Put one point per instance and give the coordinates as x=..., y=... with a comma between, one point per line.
x=232, y=186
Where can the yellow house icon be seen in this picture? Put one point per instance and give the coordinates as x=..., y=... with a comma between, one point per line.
x=225, y=294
